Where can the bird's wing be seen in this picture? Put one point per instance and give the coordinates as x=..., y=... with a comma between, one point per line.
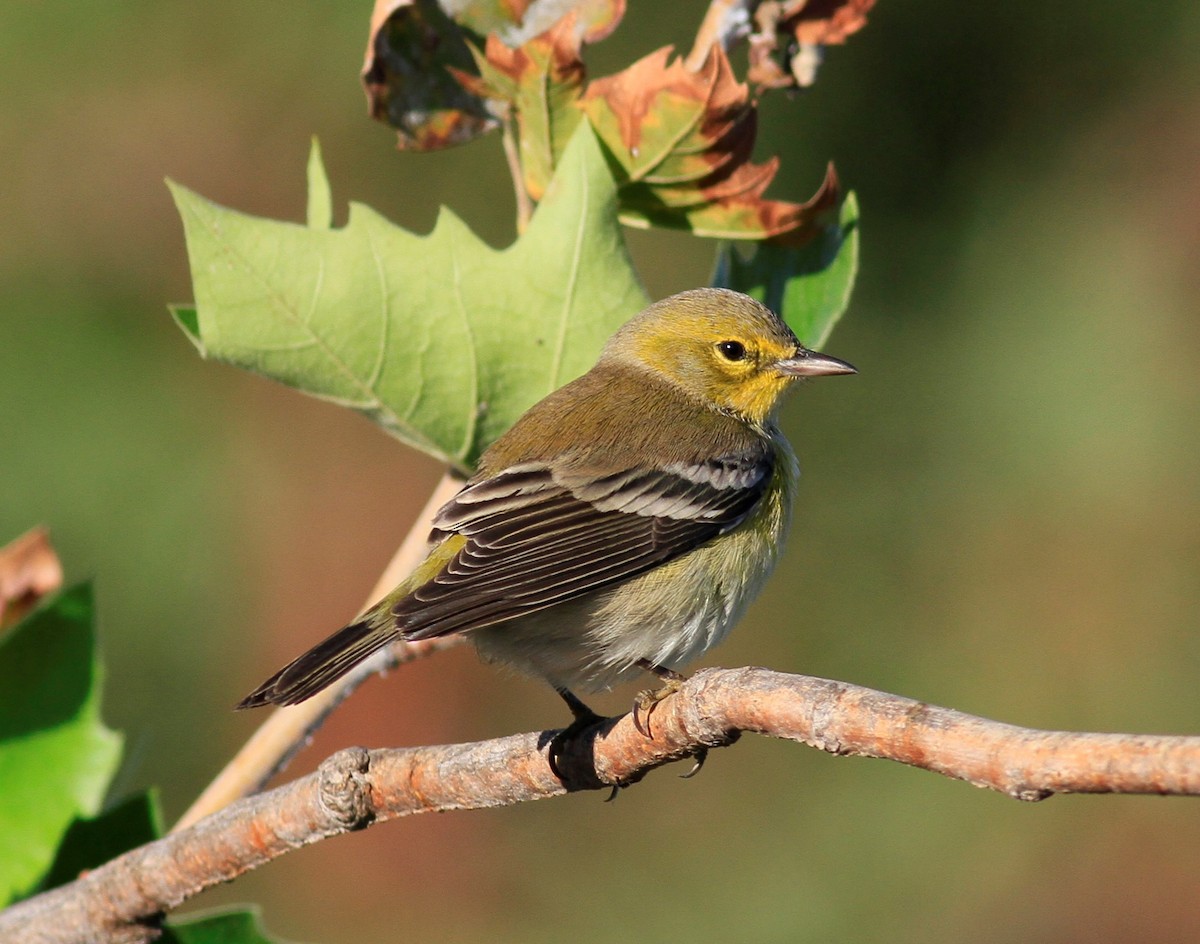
x=535, y=538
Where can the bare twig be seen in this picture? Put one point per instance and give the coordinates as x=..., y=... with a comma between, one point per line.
x=125, y=899
x=512, y=156
x=287, y=730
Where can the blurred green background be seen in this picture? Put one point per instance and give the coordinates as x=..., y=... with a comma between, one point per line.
x=1001, y=513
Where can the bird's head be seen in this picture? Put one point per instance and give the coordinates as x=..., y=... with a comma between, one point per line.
x=720, y=347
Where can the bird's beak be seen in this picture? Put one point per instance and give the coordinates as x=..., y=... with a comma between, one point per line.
x=806, y=363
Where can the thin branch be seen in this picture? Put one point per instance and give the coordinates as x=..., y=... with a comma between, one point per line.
x=125, y=899
x=512, y=155
x=287, y=730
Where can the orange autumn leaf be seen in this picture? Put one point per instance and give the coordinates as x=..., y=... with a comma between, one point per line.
x=684, y=141
x=745, y=216
x=29, y=569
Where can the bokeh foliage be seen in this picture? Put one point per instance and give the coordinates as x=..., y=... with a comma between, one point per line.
x=997, y=513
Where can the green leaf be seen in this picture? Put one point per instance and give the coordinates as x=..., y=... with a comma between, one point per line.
x=227, y=926
x=92, y=842
x=56, y=756
x=189, y=323
x=440, y=339
x=320, y=199
x=809, y=285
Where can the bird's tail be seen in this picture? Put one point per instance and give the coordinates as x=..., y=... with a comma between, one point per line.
x=322, y=664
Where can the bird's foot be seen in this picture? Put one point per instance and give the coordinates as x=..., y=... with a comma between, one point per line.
x=646, y=701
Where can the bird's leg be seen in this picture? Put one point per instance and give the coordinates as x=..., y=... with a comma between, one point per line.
x=584, y=715
x=584, y=718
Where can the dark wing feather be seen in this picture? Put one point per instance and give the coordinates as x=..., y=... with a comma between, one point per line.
x=536, y=538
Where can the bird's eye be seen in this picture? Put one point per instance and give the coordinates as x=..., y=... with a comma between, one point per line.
x=732, y=350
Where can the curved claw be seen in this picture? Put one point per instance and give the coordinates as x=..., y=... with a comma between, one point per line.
x=699, y=757
x=647, y=701
x=555, y=752
x=643, y=707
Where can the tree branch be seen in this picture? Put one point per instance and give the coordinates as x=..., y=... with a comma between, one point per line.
x=125, y=899
x=287, y=730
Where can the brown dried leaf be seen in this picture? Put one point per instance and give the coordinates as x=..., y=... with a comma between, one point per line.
x=417, y=49
x=807, y=25
x=29, y=569
x=825, y=21
x=684, y=141
x=411, y=46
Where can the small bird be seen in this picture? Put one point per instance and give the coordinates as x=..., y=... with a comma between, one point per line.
x=621, y=525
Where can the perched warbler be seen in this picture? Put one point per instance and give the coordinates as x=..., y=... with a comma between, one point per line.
x=621, y=525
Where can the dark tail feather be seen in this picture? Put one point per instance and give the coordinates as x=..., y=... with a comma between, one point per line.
x=321, y=665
